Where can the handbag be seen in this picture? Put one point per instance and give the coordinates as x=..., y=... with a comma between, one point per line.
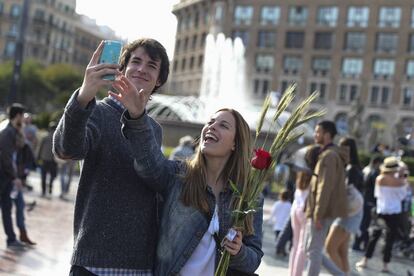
x=355, y=200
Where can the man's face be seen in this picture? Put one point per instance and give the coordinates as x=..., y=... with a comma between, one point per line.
x=18, y=121
x=319, y=135
x=143, y=71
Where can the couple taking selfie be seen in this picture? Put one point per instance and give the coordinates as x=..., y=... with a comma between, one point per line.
x=136, y=212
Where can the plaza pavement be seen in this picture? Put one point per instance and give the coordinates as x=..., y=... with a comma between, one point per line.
x=50, y=225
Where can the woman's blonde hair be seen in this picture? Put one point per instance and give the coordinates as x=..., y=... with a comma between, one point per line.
x=236, y=169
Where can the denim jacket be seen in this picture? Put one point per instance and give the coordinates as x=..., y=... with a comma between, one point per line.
x=182, y=227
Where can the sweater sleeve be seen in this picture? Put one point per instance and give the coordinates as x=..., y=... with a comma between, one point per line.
x=149, y=162
x=250, y=255
x=78, y=130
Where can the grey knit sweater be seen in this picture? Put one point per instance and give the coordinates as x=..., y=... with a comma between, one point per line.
x=115, y=223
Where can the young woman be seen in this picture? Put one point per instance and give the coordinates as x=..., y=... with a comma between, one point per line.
x=297, y=256
x=340, y=232
x=390, y=190
x=198, y=197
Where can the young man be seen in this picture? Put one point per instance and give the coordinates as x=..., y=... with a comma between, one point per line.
x=327, y=196
x=115, y=214
x=8, y=173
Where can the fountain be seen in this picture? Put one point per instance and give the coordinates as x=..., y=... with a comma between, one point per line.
x=224, y=84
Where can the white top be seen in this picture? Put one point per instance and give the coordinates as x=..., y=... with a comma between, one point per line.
x=202, y=260
x=299, y=200
x=280, y=214
x=389, y=199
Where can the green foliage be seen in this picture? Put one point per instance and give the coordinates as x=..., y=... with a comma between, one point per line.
x=40, y=88
x=364, y=158
x=410, y=163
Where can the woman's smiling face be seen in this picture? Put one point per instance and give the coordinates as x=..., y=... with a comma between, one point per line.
x=217, y=136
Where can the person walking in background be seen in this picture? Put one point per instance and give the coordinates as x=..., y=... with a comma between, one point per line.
x=390, y=190
x=116, y=215
x=48, y=165
x=184, y=150
x=371, y=173
x=297, y=256
x=337, y=242
x=198, y=197
x=65, y=168
x=327, y=195
x=280, y=212
x=17, y=194
x=9, y=179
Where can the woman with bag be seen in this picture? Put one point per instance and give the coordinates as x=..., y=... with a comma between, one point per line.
x=197, y=193
x=337, y=242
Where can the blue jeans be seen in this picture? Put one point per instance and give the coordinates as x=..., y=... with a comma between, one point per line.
x=20, y=205
x=6, y=205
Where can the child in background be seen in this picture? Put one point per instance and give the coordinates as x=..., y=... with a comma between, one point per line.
x=280, y=212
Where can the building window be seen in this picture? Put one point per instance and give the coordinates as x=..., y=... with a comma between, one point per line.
x=191, y=65
x=183, y=64
x=292, y=64
x=243, y=15
x=10, y=49
x=177, y=45
x=14, y=30
x=295, y=40
x=243, y=35
x=261, y=86
x=270, y=15
x=348, y=93
x=357, y=16
x=200, y=61
x=266, y=39
x=185, y=46
x=412, y=18
x=407, y=96
x=380, y=95
x=386, y=42
x=323, y=40
x=355, y=41
x=1, y=7
x=327, y=16
x=409, y=71
x=264, y=63
x=194, y=42
x=411, y=44
x=298, y=16
x=15, y=10
x=320, y=87
x=218, y=15
x=321, y=65
x=389, y=17
x=352, y=66
x=384, y=67
x=203, y=39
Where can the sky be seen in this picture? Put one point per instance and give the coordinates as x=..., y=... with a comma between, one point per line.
x=132, y=19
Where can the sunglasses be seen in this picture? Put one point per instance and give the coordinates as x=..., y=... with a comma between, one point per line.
x=405, y=175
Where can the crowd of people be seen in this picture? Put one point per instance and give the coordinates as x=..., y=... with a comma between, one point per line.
x=334, y=201
x=159, y=216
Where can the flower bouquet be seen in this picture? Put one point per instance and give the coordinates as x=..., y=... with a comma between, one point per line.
x=263, y=160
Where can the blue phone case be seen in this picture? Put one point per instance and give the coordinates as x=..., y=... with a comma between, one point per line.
x=110, y=54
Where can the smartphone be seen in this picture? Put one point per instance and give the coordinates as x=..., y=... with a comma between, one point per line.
x=110, y=54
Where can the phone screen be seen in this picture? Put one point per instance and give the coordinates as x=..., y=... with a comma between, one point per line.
x=110, y=54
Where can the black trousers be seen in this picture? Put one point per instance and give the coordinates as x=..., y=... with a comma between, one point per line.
x=393, y=230
x=80, y=271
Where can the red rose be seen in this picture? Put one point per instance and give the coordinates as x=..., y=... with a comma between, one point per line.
x=261, y=160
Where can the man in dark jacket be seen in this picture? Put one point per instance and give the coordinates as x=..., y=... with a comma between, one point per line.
x=8, y=174
x=115, y=223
